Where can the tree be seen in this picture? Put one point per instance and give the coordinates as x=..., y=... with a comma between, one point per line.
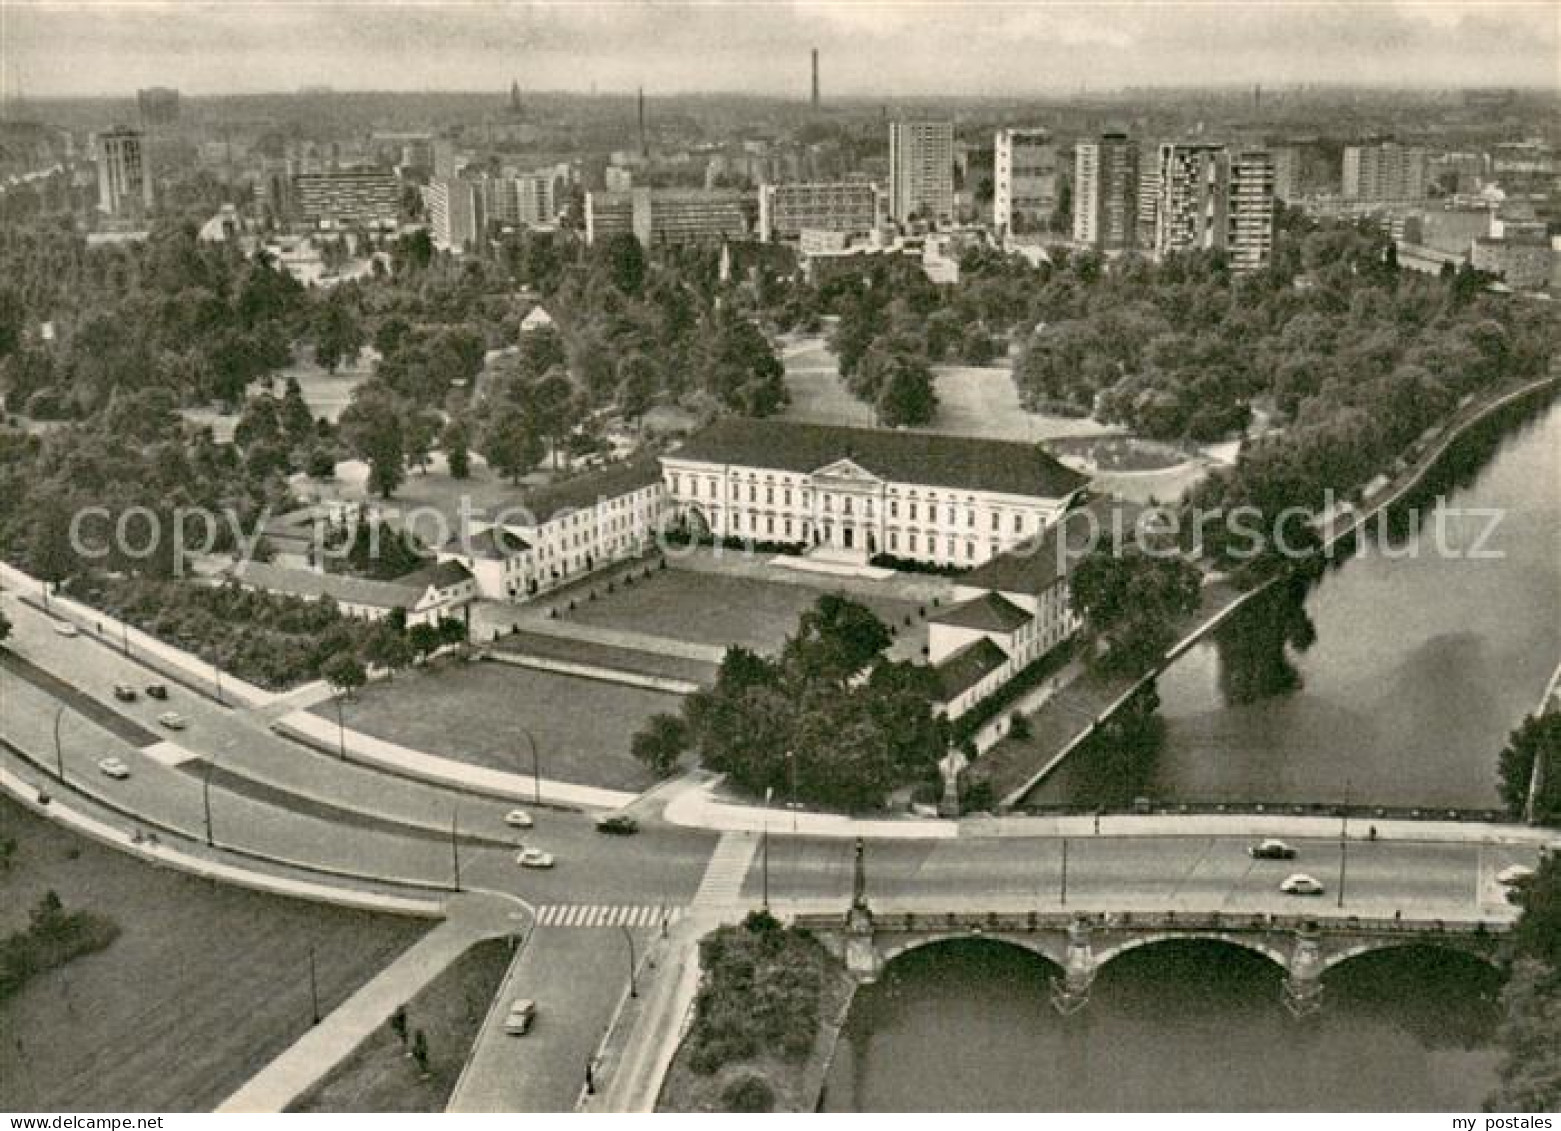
x=661, y=743
x=296, y=420
x=456, y=441
x=1537, y=739
x=1132, y=601
x=621, y=259
x=338, y=336
x=420, y=430
x=902, y=388
x=387, y=647
x=511, y=442
x=1530, y=1034
x=372, y=425
x=739, y=369
x=345, y=673
x=50, y=556
x=835, y=639
x=5, y=627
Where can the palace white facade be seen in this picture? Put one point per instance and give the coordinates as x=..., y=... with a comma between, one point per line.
x=860, y=493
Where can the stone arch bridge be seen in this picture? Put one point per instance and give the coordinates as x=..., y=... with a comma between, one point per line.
x=1079, y=943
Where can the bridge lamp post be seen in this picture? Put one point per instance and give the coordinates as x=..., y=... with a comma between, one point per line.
x=455, y=845
x=628, y=935
x=536, y=767
x=1064, y=876
x=764, y=849
x=1344, y=842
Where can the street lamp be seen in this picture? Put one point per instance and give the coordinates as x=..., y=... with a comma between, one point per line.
x=791, y=770
x=634, y=989
x=536, y=767
x=314, y=986
x=211, y=764
x=1064, y=877
x=764, y=849
x=1344, y=842
x=59, y=753
x=455, y=845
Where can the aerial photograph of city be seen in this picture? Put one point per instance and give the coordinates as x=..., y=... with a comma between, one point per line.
x=797, y=556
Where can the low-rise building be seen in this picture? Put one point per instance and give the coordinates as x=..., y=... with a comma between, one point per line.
x=365, y=195
x=558, y=533
x=786, y=211
x=427, y=595
x=670, y=216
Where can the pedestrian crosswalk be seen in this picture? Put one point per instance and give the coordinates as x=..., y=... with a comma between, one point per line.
x=728, y=867
x=606, y=915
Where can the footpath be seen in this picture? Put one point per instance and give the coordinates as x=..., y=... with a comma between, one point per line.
x=469, y=919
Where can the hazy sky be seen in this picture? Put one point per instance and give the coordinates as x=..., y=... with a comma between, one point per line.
x=867, y=47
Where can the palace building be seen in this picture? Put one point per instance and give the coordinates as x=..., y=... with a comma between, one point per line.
x=858, y=493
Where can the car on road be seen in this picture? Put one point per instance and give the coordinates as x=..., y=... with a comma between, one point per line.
x=1271, y=850
x=65, y=628
x=518, y=819
x=1515, y=875
x=173, y=720
x=618, y=824
x=522, y=1012
x=534, y=858
x=124, y=693
x=156, y=691
x=114, y=768
x=1300, y=884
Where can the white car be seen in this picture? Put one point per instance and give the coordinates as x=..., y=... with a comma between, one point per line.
x=518, y=819
x=114, y=768
x=65, y=628
x=1515, y=875
x=1300, y=884
x=534, y=858
x=522, y=1012
x=173, y=720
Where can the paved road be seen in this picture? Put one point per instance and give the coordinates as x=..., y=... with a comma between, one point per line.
x=275, y=797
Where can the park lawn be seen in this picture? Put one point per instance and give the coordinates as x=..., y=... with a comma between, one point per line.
x=479, y=713
x=379, y=1075
x=971, y=401
x=204, y=986
x=719, y=609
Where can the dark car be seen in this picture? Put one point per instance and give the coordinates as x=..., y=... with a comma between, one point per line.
x=619, y=824
x=156, y=691
x=124, y=692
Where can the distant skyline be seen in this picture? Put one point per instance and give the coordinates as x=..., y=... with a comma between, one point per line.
x=867, y=48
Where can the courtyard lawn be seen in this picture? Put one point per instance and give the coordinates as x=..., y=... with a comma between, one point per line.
x=479, y=713
x=204, y=986
x=971, y=401
x=712, y=608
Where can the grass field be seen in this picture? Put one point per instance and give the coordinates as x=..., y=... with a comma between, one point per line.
x=326, y=394
x=971, y=402
x=479, y=713
x=710, y=608
x=380, y=1076
x=204, y=986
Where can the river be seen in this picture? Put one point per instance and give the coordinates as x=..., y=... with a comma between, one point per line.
x=1396, y=677
x=968, y=1026
x=1394, y=680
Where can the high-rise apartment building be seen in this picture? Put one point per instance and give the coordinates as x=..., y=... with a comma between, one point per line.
x=1287, y=172
x=1105, y=193
x=786, y=211
x=1249, y=225
x=124, y=177
x=525, y=199
x=457, y=211
x=1387, y=171
x=1210, y=199
x=1026, y=180
x=921, y=171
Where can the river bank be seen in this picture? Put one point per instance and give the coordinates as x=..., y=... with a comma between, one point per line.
x=1065, y=722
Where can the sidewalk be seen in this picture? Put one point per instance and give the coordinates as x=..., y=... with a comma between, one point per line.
x=323, y=734
x=691, y=804
x=470, y=920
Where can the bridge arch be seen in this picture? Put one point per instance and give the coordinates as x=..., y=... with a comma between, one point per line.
x=1486, y=955
x=1050, y=950
x=1256, y=945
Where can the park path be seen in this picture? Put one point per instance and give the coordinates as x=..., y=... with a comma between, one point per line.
x=470, y=919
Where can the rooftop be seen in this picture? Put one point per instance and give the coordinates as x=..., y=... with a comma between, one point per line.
x=588, y=490
x=926, y=458
x=1033, y=566
x=308, y=583
x=494, y=544
x=990, y=612
x=968, y=667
